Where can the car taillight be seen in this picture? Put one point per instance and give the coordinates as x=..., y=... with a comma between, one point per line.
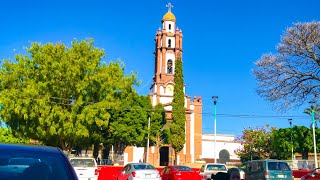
x=96, y=172
x=133, y=174
x=266, y=175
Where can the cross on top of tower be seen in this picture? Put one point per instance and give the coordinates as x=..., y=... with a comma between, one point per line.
x=169, y=6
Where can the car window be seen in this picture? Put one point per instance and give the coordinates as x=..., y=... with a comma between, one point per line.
x=282, y=166
x=182, y=168
x=143, y=166
x=83, y=162
x=219, y=167
x=23, y=161
x=28, y=165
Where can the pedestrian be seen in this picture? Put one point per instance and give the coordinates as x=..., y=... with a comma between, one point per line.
x=233, y=174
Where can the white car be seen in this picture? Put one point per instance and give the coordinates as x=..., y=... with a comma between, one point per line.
x=208, y=170
x=86, y=168
x=139, y=171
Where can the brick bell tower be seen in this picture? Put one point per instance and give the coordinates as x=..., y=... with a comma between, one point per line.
x=168, y=46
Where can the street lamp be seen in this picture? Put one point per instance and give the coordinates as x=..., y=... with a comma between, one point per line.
x=290, y=122
x=214, y=98
x=314, y=135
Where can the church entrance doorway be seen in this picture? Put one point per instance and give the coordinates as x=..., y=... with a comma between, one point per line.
x=164, y=156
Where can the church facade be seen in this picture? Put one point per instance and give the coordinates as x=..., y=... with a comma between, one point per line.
x=198, y=146
x=168, y=46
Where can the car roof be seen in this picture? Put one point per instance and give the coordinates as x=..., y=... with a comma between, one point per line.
x=214, y=164
x=34, y=148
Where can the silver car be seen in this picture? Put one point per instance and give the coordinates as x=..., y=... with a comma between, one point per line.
x=139, y=171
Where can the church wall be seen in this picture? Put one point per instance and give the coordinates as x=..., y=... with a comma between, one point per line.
x=197, y=128
x=164, y=100
x=192, y=140
x=173, y=44
x=230, y=146
x=166, y=26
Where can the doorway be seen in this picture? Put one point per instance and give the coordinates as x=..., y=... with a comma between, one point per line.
x=164, y=156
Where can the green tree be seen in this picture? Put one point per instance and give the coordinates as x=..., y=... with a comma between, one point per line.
x=128, y=125
x=7, y=136
x=60, y=95
x=303, y=140
x=158, y=121
x=290, y=77
x=256, y=144
x=281, y=143
x=177, y=127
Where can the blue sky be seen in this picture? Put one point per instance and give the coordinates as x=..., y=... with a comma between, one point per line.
x=222, y=40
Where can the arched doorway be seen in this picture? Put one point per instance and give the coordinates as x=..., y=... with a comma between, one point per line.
x=164, y=155
x=224, y=156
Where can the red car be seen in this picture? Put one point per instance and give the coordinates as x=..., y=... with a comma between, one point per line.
x=314, y=174
x=179, y=173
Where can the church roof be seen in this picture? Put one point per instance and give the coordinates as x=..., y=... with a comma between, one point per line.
x=169, y=16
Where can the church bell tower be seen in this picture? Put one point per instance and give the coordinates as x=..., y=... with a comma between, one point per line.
x=168, y=46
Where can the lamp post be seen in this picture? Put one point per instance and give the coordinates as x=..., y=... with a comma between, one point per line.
x=290, y=122
x=147, y=158
x=314, y=135
x=214, y=98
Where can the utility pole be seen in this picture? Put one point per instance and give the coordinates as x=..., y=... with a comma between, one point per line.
x=314, y=135
x=290, y=122
x=147, y=158
x=214, y=98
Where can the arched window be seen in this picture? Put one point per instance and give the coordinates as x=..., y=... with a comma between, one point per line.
x=169, y=66
x=169, y=26
x=169, y=43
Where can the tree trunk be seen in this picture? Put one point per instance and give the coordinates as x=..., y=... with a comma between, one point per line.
x=96, y=150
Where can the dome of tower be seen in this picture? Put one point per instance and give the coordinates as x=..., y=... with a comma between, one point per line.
x=169, y=17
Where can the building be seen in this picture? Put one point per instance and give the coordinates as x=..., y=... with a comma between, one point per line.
x=168, y=49
x=225, y=148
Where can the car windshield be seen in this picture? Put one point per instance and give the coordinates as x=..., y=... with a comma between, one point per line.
x=216, y=167
x=282, y=166
x=24, y=161
x=182, y=168
x=33, y=164
x=82, y=162
x=143, y=166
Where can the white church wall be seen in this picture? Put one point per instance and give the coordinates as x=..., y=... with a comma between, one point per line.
x=223, y=142
x=138, y=154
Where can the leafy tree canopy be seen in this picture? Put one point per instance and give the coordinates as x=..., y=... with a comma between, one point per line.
x=59, y=94
x=7, y=136
x=256, y=144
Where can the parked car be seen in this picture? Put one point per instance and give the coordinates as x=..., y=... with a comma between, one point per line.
x=208, y=170
x=267, y=169
x=138, y=171
x=314, y=174
x=86, y=168
x=179, y=173
x=30, y=162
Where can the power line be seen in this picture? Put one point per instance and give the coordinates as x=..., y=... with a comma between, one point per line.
x=85, y=103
